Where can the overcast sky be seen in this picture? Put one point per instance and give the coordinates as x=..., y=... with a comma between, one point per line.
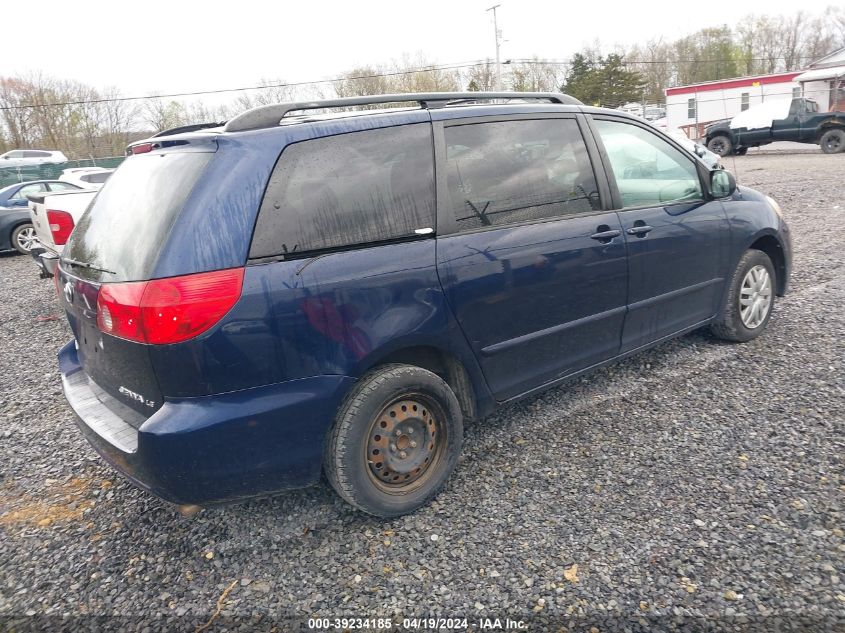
x=180, y=45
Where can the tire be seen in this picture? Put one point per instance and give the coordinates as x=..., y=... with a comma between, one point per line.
x=741, y=323
x=833, y=141
x=385, y=416
x=22, y=238
x=720, y=145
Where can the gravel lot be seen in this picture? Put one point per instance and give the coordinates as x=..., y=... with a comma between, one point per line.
x=700, y=482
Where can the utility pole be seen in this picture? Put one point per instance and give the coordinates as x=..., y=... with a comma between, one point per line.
x=498, y=44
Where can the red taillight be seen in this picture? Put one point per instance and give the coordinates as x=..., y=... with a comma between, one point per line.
x=172, y=310
x=143, y=148
x=61, y=225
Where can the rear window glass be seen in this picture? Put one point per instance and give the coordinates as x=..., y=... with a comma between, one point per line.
x=130, y=218
x=350, y=189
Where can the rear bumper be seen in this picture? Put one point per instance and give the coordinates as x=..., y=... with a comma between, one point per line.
x=46, y=260
x=211, y=449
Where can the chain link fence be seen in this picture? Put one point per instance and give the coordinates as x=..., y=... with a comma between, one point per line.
x=51, y=171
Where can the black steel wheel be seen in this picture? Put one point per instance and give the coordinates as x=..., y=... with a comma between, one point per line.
x=833, y=141
x=720, y=145
x=395, y=441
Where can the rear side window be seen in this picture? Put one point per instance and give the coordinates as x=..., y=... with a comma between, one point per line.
x=127, y=223
x=96, y=178
x=36, y=154
x=346, y=190
x=518, y=171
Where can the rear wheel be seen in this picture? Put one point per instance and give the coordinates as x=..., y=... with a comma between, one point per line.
x=720, y=144
x=748, y=305
x=833, y=141
x=395, y=441
x=23, y=238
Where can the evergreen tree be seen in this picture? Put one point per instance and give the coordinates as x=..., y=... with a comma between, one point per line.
x=602, y=81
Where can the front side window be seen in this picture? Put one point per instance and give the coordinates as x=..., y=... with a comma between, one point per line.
x=518, y=171
x=13, y=154
x=648, y=170
x=349, y=189
x=36, y=154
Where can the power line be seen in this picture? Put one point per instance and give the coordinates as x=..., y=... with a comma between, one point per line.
x=291, y=84
x=425, y=69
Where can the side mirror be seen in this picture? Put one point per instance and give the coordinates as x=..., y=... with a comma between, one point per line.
x=722, y=183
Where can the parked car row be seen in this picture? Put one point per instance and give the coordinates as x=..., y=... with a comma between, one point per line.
x=19, y=219
x=257, y=303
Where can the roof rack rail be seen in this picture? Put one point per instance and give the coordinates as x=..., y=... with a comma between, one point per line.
x=271, y=115
x=187, y=128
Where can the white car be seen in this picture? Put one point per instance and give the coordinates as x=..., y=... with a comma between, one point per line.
x=24, y=157
x=54, y=216
x=710, y=159
x=86, y=177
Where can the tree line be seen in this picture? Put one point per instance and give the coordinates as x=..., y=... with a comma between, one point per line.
x=97, y=123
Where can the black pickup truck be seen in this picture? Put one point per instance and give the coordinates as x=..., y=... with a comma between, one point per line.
x=804, y=124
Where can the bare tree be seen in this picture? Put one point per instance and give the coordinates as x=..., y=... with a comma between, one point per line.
x=161, y=115
x=536, y=75
x=481, y=77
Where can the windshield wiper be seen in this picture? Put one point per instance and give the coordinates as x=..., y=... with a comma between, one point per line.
x=74, y=262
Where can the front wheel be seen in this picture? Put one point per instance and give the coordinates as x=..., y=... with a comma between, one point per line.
x=833, y=141
x=750, y=299
x=23, y=238
x=721, y=145
x=395, y=441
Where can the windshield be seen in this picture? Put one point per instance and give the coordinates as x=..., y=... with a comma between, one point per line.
x=125, y=226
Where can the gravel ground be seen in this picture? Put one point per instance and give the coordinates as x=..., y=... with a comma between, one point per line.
x=699, y=483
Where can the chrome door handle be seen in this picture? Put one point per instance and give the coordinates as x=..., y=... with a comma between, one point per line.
x=606, y=235
x=641, y=230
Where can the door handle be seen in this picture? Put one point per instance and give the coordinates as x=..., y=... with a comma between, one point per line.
x=640, y=230
x=605, y=235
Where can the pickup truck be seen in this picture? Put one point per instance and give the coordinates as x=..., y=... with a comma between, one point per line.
x=802, y=124
x=54, y=215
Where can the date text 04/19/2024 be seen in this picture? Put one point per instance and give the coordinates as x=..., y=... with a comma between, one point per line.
x=417, y=624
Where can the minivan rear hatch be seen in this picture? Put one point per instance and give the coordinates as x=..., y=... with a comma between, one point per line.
x=117, y=243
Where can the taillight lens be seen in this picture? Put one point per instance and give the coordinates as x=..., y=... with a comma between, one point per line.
x=172, y=310
x=61, y=225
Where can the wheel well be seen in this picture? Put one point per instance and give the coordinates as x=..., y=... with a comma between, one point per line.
x=829, y=126
x=445, y=365
x=771, y=247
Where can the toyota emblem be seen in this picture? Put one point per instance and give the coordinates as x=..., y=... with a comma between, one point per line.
x=68, y=291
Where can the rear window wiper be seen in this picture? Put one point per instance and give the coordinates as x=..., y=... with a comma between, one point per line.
x=74, y=262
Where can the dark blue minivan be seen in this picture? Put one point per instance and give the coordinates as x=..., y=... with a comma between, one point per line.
x=315, y=288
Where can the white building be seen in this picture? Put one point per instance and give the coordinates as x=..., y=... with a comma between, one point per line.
x=691, y=108
x=824, y=81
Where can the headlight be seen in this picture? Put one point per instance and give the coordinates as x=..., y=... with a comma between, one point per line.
x=775, y=206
